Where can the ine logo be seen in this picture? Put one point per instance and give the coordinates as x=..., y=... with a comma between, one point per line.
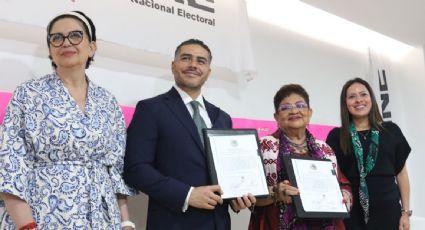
x=193, y=3
x=385, y=97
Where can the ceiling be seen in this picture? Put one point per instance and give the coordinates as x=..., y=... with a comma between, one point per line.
x=401, y=20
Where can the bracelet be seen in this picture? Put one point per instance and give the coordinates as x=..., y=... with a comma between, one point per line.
x=407, y=212
x=272, y=195
x=29, y=226
x=127, y=223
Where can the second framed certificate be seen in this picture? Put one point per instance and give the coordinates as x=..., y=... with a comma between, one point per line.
x=235, y=162
x=320, y=193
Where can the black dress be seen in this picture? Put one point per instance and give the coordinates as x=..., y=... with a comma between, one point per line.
x=384, y=195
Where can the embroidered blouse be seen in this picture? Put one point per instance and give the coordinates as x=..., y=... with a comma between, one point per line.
x=267, y=217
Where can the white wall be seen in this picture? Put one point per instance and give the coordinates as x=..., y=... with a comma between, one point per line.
x=281, y=57
x=412, y=106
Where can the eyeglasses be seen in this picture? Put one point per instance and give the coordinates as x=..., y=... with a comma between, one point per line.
x=288, y=107
x=57, y=39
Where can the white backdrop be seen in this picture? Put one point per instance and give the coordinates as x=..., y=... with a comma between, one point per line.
x=155, y=27
x=281, y=57
x=381, y=77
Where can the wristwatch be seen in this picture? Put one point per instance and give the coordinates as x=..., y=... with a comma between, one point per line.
x=407, y=212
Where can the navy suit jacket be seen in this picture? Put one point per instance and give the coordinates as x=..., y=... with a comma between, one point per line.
x=165, y=157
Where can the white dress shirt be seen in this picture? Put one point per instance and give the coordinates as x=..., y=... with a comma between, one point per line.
x=204, y=114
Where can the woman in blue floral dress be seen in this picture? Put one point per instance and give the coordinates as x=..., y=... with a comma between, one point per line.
x=62, y=142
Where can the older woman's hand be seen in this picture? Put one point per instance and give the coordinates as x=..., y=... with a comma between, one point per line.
x=285, y=191
x=347, y=199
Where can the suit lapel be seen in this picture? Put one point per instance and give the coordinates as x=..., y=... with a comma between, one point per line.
x=178, y=108
x=212, y=112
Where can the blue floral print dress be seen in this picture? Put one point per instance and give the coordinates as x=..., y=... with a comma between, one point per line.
x=64, y=163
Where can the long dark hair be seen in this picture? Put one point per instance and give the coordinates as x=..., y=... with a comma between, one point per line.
x=374, y=117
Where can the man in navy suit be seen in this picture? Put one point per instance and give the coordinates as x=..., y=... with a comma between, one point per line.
x=165, y=156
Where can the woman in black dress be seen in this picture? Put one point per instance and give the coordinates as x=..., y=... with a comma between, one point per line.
x=372, y=155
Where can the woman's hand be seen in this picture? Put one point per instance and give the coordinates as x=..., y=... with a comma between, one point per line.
x=285, y=191
x=18, y=209
x=404, y=222
x=347, y=200
x=123, y=205
x=404, y=187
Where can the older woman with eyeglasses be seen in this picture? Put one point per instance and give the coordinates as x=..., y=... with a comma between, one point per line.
x=62, y=142
x=292, y=113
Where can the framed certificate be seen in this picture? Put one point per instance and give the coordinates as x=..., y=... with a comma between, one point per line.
x=235, y=162
x=320, y=193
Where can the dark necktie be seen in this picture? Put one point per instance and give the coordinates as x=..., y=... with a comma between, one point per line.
x=199, y=122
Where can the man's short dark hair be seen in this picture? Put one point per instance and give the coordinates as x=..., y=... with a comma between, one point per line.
x=194, y=41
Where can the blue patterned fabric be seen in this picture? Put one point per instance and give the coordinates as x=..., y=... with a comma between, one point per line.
x=64, y=163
